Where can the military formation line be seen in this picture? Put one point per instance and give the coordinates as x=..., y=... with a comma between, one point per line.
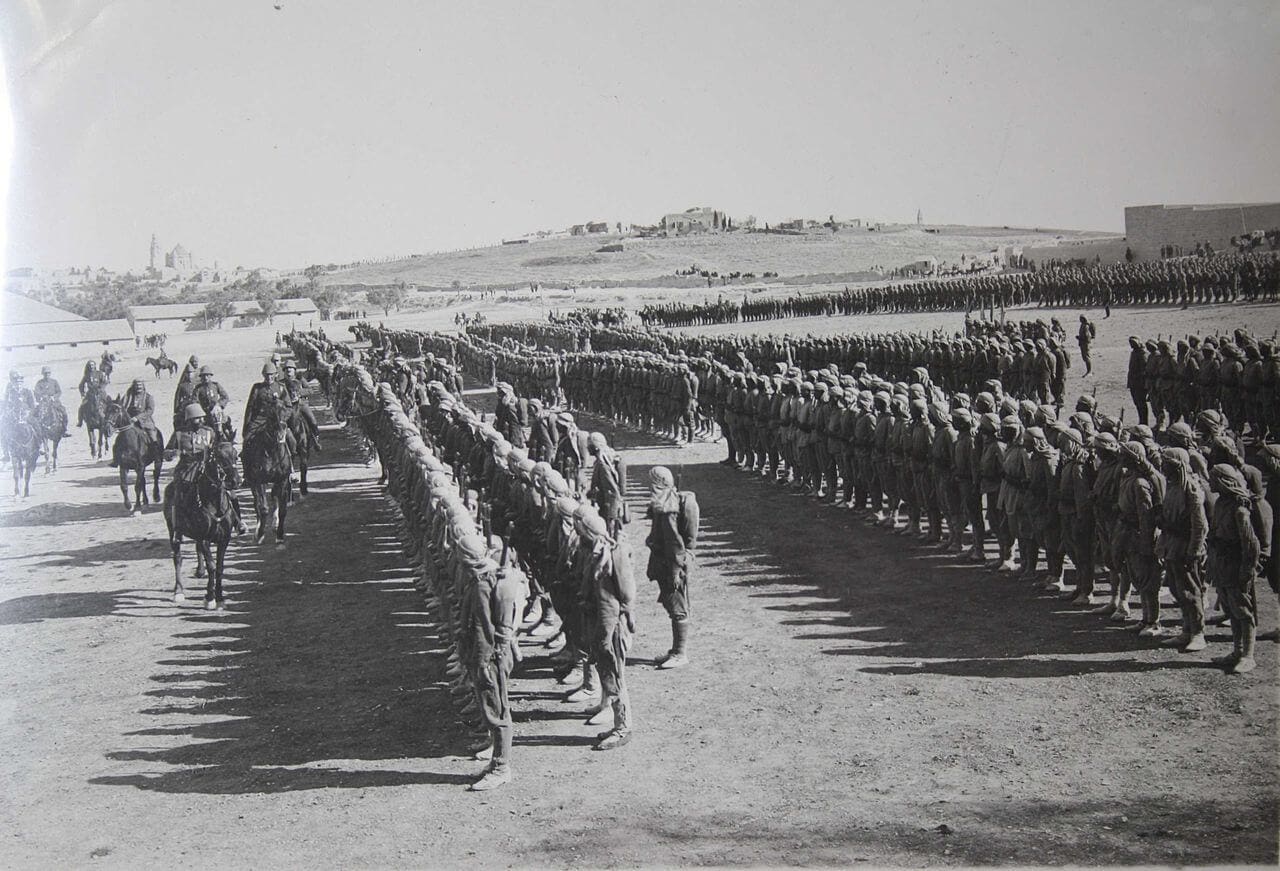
x=1135, y=507
x=1185, y=281
x=509, y=537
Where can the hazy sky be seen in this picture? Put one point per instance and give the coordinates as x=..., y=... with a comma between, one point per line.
x=331, y=131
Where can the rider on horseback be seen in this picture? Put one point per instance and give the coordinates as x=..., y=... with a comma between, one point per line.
x=209, y=392
x=18, y=401
x=140, y=408
x=194, y=444
x=92, y=389
x=268, y=403
x=296, y=397
x=48, y=388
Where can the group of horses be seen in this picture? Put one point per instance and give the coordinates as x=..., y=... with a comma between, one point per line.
x=201, y=507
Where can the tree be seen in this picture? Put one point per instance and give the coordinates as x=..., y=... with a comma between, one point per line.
x=216, y=311
x=328, y=299
x=267, y=297
x=387, y=298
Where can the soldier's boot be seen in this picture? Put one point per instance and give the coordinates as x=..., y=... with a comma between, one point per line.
x=1231, y=658
x=1180, y=640
x=589, y=689
x=620, y=734
x=600, y=713
x=499, y=771
x=574, y=674
x=680, y=638
x=1154, y=629
x=1246, y=663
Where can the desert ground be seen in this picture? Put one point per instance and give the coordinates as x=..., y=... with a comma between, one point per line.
x=853, y=698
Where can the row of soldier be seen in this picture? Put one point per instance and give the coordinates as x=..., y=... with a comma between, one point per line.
x=1249, y=277
x=909, y=437
x=499, y=534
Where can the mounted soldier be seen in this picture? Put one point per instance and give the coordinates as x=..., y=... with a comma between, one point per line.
x=296, y=401
x=209, y=392
x=92, y=387
x=140, y=407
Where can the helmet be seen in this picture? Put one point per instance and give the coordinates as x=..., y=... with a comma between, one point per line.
x=193, y=412
x=15, y=375
x=45, y=370
x=290, y=364
x=268, y=368
x=206, y=370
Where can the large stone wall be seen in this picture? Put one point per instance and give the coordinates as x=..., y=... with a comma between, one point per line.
x=1148, y=228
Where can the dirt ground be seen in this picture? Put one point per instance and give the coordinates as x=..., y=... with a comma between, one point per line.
x=854, y=698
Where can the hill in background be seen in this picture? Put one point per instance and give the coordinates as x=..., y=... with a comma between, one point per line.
x=804, y=257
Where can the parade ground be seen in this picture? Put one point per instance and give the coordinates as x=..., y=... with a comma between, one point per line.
x=853, y=697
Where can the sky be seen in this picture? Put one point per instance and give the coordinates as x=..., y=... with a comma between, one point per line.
x=334, y=131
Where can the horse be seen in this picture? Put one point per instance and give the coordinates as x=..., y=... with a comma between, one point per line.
x=202, y=509
x=98, y=411
x=302, y=438
x=267, y=461
x=109, y=359
x=133, y=451
x=162, y=364
x=22, y=442
x=51, y=425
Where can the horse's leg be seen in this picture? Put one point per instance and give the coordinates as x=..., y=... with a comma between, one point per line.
x=259, y=511
x=175, y=542
x=56, y=442
x=201, y=567
x=221, y=558
x=209, y=598
x=155, y=479
x=124, y=486
x=302, y=475
x=282, y=508
x=140, y=485
x=26, y=481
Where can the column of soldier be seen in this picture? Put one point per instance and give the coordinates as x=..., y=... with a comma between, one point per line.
x=1115, y=501
x=1184, y=281
x=501, y=534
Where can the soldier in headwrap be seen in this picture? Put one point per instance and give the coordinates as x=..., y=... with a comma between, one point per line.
x=1106, y=502
x=990, y=478
x=1233, y=551
x=942, y=462
x=1014, y=476
x=1039, y=501
x=608, y=482
x=1136, y=381
x=672, y=540
x=610, y=587
x=1142, y=490
x=495, y=596
x=1183, y=530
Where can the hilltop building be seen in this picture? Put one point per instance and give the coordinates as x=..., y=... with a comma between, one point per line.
x=178, y=262
x=695, y=220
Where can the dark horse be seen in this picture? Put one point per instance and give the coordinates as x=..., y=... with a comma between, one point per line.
x=268, y=462
x=199, y=506
x=22, y=441
x=133, y=451
x=162, y=364
x=98, y=411
x=51, y=425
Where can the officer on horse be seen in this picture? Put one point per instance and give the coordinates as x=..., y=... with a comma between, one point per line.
x=193, y=443
x=140, y=408
x=297, y=398
x=93, y=385
x=48, y=389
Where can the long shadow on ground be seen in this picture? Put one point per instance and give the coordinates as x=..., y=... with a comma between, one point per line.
x=315, y=677
x=861, y=591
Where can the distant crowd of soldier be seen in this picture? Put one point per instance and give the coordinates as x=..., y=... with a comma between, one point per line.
x=1185, y=281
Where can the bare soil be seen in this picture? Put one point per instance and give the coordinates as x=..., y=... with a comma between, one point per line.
x=853, y=698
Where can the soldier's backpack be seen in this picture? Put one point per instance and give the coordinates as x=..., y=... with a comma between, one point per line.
x=687, y=519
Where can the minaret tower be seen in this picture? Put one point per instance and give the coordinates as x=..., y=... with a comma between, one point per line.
x=155, y=252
